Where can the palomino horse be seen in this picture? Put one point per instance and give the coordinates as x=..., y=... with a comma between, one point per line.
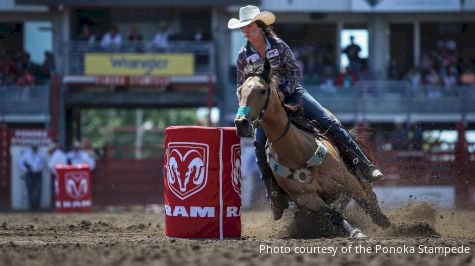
x=313, y=187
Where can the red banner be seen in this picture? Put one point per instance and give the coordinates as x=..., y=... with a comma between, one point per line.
x=73, y=189
x=202, y=182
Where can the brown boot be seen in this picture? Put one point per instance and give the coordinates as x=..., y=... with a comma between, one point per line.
x=278, y=199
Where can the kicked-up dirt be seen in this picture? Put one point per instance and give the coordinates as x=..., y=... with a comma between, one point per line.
x=420, y=235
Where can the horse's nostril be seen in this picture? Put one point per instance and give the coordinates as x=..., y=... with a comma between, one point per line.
x=241, y=122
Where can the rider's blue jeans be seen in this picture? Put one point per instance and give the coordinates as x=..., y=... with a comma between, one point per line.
x=313, y=110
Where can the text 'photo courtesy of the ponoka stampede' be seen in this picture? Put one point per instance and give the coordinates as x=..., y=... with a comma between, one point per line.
x=240, y=133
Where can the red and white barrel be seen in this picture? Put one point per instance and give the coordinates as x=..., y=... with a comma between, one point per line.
x=73, y=188
x=202, y=182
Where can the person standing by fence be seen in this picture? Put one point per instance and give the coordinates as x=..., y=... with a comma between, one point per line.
x=32, y=164
x=56, y=157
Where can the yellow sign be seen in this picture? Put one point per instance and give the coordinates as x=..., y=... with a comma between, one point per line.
x=139, y=64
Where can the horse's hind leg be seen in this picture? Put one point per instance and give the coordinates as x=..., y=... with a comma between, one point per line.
x=338, y=219
x=377, y=215
x=314, y=203
x=341, y=203
x=364, y=196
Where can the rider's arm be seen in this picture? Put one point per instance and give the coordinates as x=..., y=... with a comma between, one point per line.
x=241, y=64
x=294, y=74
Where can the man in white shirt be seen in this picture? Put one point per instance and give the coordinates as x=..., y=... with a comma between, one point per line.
x=160, y=41
x=111, y=40
x=56, y=157
x=79, y=156
x=32, y=164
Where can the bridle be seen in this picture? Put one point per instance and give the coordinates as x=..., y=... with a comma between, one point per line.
x=256, y=123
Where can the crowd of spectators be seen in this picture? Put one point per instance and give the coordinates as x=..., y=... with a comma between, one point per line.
x=442, y=67
x=18, y=69
x=438, y=71
x=112, y=40
x=318, y=66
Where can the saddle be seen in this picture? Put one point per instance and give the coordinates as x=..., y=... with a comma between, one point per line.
x=303, y=175
x=298, y=118
x=295, y=113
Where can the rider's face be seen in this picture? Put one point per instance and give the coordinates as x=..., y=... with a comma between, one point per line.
x=251, y=31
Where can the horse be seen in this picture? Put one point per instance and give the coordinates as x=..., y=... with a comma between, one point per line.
x=316, y=187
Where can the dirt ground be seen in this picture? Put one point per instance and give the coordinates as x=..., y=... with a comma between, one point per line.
x=136, y=237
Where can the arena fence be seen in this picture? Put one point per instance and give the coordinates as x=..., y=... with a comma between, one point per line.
x=25, y=103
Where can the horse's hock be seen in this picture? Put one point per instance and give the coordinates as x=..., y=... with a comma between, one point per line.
x=202, y=182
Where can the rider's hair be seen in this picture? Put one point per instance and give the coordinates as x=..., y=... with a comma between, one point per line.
x=268, y=30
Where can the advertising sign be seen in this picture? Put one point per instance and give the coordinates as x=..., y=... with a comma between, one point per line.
x=132, y=64
x=202, y=180
x=73, y=191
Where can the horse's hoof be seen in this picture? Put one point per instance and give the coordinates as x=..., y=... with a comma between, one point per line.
x=277, y=213
x=356, y=234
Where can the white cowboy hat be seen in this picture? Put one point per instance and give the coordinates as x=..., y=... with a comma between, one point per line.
x=249, y=14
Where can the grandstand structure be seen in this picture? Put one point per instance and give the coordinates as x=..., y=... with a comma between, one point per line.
x=200, y=72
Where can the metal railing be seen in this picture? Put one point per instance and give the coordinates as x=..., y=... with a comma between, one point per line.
x=204, y=53
x=386, y=101
x=396, y=97
x=25, y=103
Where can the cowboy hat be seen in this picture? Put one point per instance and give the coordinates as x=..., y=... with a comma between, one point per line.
x=249, y=14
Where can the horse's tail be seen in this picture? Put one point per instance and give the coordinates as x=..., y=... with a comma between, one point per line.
x=362, y=135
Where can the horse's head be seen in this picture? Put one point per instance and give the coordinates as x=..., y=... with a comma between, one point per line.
x=254, y=95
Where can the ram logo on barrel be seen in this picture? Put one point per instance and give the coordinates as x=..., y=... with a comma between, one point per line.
x=236, y=168
x=187, y=168
x=76, y=184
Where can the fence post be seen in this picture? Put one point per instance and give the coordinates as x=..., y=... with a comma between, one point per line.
x=460, y=169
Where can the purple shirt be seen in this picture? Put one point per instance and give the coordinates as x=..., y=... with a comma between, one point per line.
x=282, y=62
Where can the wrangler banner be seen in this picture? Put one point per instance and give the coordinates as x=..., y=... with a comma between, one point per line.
x=139, y=64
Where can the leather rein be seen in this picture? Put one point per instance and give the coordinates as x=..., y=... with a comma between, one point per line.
x=259, y=120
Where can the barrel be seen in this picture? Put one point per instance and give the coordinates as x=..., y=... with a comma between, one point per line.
x=202, y=182
x=73, y=188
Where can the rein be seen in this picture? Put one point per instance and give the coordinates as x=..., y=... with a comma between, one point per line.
x=259, y=120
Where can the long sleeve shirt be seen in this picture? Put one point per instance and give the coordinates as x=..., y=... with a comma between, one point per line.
x=32, y=161
x=281, y=59
x=81, y=157
x=57, y=158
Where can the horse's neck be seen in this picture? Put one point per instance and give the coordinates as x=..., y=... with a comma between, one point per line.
x=296, y=147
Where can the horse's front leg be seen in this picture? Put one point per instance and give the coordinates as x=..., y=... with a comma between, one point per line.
x=315, y=203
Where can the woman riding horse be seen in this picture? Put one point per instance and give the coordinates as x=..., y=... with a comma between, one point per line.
x=307, y=167
x=264, y=46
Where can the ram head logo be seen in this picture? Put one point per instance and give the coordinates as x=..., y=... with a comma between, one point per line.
x=187, y=168
x=76, y=184
x=236, y=167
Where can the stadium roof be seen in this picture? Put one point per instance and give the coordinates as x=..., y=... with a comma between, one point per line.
x=137, y=3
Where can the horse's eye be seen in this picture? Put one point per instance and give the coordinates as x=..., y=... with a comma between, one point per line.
x=262, y=91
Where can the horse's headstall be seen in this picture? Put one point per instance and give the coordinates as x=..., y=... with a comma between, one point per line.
x=257, y=70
